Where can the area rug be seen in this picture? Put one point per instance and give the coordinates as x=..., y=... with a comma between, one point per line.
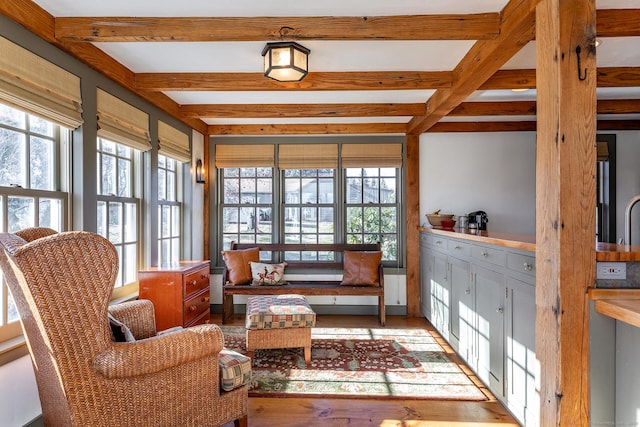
x=358, y=363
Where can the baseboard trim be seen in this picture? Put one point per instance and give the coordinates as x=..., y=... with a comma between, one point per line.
x=356, y=310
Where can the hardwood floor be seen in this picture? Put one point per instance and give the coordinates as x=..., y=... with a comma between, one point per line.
x=296, y=412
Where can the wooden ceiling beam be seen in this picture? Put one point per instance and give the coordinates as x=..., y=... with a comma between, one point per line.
x=309, y=129
x=372, y=80
x=528, y=108
x=299, y=110
x=41, y=23
x=617, y=22
x=481, y=26
x=515, y=126
x=482, y=61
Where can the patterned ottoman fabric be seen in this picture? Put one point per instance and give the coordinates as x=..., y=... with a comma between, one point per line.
x=235, y=369
x=279, y=312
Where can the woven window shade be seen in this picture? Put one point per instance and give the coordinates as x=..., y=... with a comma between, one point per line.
x=245, y=156
x=173, y=143
x=372, y=155
x=308, y=156
x=122, y=123
x=603, y=151
x=37, y=86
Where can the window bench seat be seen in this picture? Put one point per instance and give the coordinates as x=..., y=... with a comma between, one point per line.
x=310, y=286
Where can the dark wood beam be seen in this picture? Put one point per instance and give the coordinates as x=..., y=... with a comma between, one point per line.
x=308, y=129
x=373, y=80
x=481, y=62
x=300, y=110
x=618, y=22
x=481, y=26
x=515, y=126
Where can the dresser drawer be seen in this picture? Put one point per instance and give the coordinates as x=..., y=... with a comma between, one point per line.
x=196, y=281
x=459, y=249
x=521, y=263
x=196, y=305
x=487, y=254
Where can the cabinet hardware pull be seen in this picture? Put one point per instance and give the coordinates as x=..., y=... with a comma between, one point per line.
x=528, y=266
x=484, y=254
x=500, y=310
x=193, y=308
x=192, y=283
x=438, y=242
x=457, y=247
x=467, y=291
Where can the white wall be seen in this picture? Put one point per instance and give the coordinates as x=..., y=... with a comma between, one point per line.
x=19, y=402
x=627, y=181
x=493, y=172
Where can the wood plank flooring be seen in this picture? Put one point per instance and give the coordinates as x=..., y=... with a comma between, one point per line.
x=296, y=412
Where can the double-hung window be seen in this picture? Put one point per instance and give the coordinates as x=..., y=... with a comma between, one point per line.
x=314, y=194
x=33, y=162
x=169, y=210
x=118, y=209
x=123, y=135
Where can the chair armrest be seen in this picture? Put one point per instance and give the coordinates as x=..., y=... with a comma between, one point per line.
x=138, y=315
x=122, y=360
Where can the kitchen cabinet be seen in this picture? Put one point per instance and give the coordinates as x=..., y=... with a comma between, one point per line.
x=490, y=304
x=488, y=316
x=179, y=292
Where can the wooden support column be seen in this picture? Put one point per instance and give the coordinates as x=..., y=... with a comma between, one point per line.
x=412, y=178
x=565, y=202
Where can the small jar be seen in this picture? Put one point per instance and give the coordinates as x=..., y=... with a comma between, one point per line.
x=463, y=221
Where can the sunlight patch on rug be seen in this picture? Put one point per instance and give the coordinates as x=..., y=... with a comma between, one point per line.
x=358, y=362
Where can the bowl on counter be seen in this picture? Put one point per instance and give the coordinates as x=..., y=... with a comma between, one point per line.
x=436, y=220
x=448, y=223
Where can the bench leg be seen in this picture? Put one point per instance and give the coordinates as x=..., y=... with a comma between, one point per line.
x=227, y=308
x=381, y=310
x=307, y=355
x=250, y=354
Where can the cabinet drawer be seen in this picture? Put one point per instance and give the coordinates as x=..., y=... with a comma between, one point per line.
x=521, y=263
x=487, y=254
x=196, y=281
x=439, y=243
x=459, y=249
x=195, y=306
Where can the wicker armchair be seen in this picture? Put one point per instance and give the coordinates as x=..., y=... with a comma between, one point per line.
x=61, y=283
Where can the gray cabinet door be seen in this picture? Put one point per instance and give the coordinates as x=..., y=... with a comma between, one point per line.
x=522, y=398
x=462, y=309
x=490, y=308
x=426, y=273
x=440, y=295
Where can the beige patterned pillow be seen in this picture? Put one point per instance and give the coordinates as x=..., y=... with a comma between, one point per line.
x=267, y=274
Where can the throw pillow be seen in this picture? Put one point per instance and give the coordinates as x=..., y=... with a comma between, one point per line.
x=119, y=331
x=267, y=274
x=361, y=268
x=237, y=263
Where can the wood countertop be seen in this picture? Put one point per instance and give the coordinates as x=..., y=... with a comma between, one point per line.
x=608, y=252
x=620, y=304
x=525, y=242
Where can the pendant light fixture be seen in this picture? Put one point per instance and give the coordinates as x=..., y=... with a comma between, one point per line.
x=285, y=61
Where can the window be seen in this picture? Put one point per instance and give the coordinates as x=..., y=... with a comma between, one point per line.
x=309, y=210
x=169, y=210
x=32, y=151
x=247, y=205
x=372, y=208
x=326, y=199
x=117, y=207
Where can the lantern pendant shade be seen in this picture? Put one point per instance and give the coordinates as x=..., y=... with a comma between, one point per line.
x=285, y=61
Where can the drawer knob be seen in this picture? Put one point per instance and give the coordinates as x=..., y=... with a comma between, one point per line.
x=193, y=282
x=500, y=310
x=438, y=242
x=528, y=266
x=205, y=299
x=457, y=247
x=484, y=254
x=467, y=291
x=203, y=276
x=193, y=308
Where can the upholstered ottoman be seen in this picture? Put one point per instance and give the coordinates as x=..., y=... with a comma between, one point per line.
x=279, y=321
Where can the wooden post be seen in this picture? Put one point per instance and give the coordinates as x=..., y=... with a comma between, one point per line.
x=565, y=205
x=412, y=177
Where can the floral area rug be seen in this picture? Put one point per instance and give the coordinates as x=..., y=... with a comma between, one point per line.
x=358, y=362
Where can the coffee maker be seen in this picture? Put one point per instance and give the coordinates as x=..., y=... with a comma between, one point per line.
x=479, y=220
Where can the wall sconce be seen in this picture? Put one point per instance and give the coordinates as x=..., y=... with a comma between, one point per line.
x=285, y=61
x=199, y=172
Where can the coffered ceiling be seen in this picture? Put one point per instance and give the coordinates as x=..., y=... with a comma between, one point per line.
x=376, y=66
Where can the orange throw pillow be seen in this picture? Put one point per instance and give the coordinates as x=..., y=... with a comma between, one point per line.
x=237, y=263
x=361, y=268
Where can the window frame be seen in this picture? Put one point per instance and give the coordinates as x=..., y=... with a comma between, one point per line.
x=134, y=198
x=11, y=339
x=172, y=203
